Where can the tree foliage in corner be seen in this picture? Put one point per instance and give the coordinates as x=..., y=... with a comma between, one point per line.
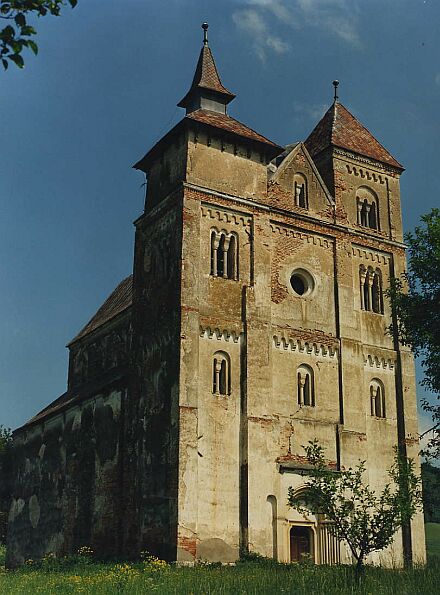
x=18, y=32
x=415, y=297
x=364, y=519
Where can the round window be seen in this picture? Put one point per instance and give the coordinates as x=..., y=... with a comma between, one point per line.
x=302, y=283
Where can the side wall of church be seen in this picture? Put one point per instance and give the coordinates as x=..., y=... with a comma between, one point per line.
x=67, y=487
x=100, y=352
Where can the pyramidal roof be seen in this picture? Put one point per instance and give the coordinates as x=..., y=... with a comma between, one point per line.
x=339, y=128
x=206, y=77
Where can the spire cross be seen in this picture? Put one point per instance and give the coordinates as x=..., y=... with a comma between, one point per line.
x=335, y=85
x=205, y=33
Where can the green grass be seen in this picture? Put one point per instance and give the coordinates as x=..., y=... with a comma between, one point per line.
x=433, y=538
x=247, y=578
x=80, y=575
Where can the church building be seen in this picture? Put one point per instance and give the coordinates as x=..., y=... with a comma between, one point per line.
x=255, y=320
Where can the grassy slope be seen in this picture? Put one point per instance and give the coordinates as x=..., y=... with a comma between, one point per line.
x=250, y=578
x=433, y=538
x=257, y=578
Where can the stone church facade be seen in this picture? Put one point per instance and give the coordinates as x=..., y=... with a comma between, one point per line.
x=254, y=321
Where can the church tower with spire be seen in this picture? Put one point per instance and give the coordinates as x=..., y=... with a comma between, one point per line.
x=254, y=321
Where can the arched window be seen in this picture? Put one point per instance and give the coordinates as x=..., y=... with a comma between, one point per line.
x=300, y=191
x=221, y=374
x=367, y=208
x=377, y=398
x=376, y=292
x=371, y=292
x=305, y=386
x=224, y=254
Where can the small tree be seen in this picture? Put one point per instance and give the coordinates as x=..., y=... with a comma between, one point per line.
x=365, y=520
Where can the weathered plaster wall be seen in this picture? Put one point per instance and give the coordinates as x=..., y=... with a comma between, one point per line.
x=268, y=331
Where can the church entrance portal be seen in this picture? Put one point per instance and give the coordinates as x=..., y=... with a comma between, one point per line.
x=301, y=543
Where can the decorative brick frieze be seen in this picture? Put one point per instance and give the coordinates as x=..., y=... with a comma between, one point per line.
x=304, y=346
x=304, y=237
x=375, y=361
x=219, y=334
x=365, y=173
x=373, y=256
x=225, y=216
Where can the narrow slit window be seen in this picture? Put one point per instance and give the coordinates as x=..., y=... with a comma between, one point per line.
x=221, y=374
x=377, y=398
x=300, y=191
x=305, y=386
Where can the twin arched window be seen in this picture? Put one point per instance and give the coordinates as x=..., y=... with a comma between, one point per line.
x=371, y=289
x=221, y=373
x=377, y=398
x=305, y=386
x=367, y=210
x=224, y=254
x=300, y=191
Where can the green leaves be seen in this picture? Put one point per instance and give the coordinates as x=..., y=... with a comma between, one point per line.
x=17, y=59
x=14, y=36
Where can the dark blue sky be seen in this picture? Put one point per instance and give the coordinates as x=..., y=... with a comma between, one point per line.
x=104, y=88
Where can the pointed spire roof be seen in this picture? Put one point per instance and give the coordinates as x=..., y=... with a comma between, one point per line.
x=339, y=128
x=206, y=78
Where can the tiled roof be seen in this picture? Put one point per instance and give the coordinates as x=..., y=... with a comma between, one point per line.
x=224, y=122
x=206, y=76
x=339, y=128
x=118, y=301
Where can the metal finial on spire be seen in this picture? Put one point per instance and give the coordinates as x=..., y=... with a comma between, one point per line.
x=335, y=84
x=205, y=33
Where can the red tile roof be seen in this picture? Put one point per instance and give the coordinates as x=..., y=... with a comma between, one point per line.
x=339, y=128
x=224, y=122
x=206, y=77
x=119, y=300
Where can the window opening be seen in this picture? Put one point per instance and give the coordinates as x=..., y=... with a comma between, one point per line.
x=305, y=386
x=300, y=191
x=224, y=254
x=367, y=209
x=377, y=399
x=371, y=289
x=221, y=383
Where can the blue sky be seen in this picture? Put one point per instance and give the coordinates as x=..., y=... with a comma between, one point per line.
x=104, y=88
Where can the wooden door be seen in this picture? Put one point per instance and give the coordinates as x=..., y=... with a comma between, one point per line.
x=300, y=543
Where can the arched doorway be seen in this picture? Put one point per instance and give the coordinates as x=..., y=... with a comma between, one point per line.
x=301, y=543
